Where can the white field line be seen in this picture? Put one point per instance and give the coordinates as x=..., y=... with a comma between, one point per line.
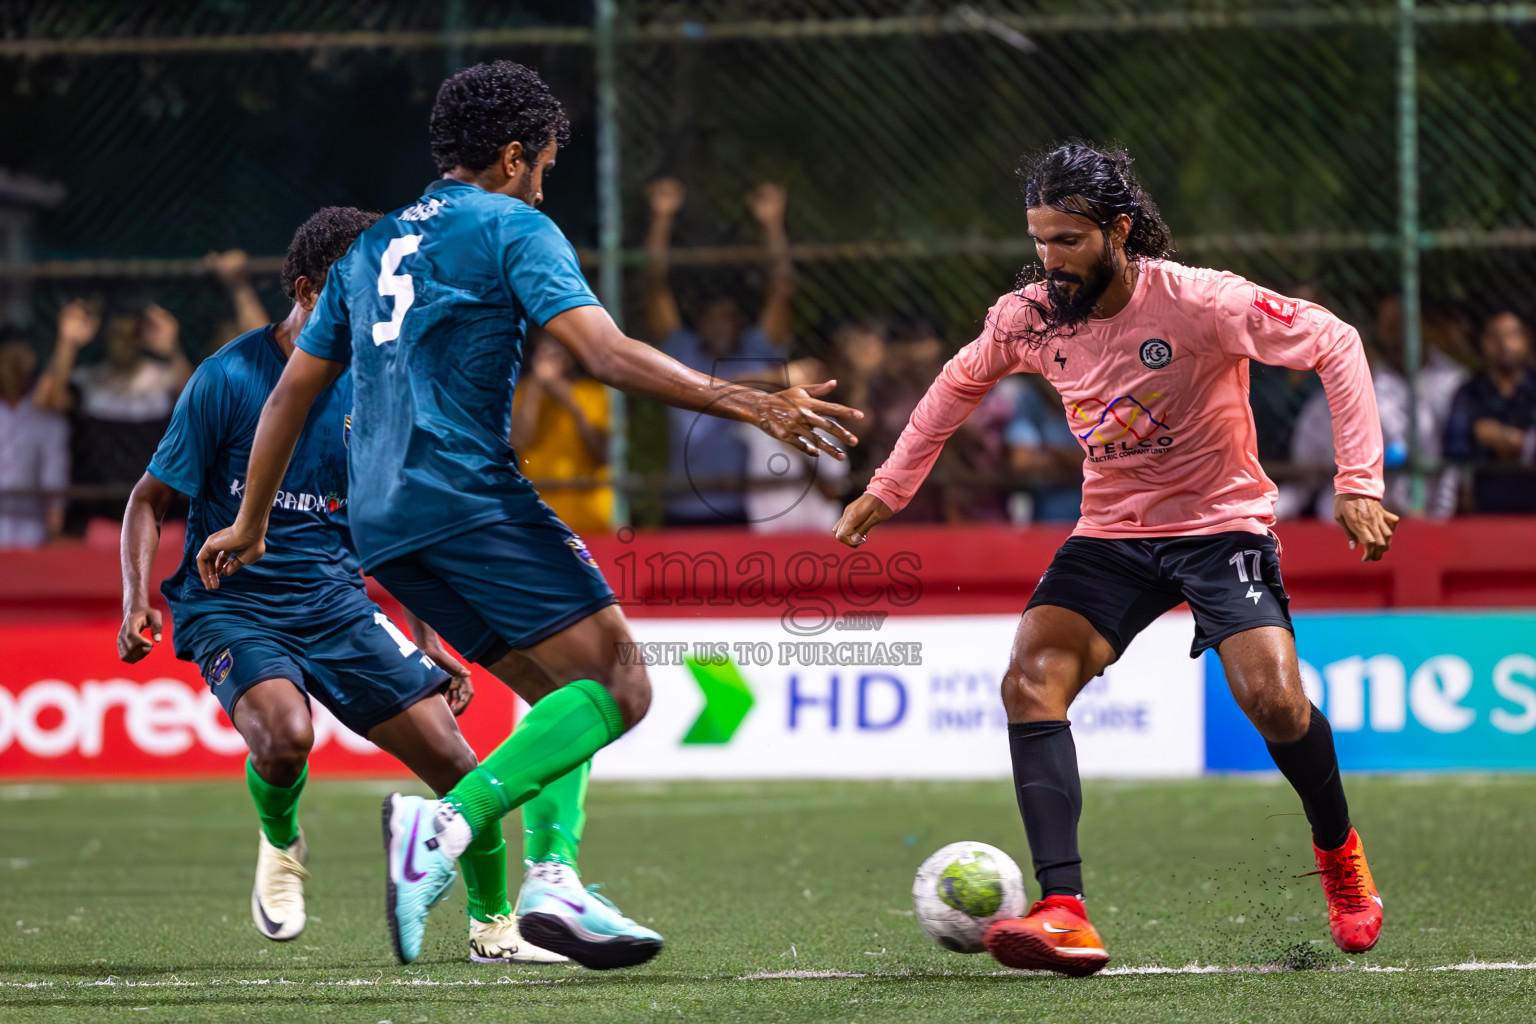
x=1197, y=969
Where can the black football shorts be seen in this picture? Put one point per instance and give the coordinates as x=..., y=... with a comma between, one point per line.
x=1231, y=581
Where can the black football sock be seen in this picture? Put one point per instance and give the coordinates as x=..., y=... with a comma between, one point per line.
x=1311, y=766
x=1050, y=800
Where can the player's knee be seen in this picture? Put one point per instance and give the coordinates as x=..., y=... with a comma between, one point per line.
x=281, y=751
x=1039, y=684
x=632, y=693
x=1279, y=717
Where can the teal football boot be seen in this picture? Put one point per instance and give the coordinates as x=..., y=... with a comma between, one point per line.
x=555, y=912
x=419, y=874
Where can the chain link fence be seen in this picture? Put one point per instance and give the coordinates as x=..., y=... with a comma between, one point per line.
x=1354, y=151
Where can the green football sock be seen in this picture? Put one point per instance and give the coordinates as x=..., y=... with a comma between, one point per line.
x=484, y=863
x=277, y=806
x=559, y=732
x=553, y=818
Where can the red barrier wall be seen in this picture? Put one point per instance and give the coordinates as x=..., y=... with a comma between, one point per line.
x=917, y=570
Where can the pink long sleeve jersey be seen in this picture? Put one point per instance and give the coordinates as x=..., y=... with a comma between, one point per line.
x=1157, y=395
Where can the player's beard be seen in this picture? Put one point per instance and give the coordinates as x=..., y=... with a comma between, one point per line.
x=523, y=189
x=1069, y=308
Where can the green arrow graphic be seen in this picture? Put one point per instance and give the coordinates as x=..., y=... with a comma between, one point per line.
x=727, y=700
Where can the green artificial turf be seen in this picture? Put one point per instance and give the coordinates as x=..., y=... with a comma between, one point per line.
x=131, y=902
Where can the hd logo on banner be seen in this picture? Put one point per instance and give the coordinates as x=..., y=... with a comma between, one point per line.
x=917, y=697
x=1402, y=692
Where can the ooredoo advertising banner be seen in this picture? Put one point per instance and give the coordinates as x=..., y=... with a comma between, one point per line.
x=69, y=707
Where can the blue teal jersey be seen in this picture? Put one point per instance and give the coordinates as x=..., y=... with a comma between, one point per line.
x=310, y=570
x=429, y=308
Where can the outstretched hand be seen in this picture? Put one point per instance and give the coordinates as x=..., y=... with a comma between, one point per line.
x=866, y=513
x=1366, y=523
x=794, y=416
x=227, y=550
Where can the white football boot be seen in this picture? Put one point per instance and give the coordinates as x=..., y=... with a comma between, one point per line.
x=277, y=900
x=498, y=941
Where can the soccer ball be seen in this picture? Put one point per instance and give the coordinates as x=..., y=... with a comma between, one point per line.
x=963, y=889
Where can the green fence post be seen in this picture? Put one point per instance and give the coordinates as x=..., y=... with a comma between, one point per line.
x=1408, y=234
x=610, y=231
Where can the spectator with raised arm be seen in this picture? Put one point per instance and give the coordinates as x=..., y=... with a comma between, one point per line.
x=119, y=406
x=232, y=268
x=34, y=455
x=721, y=343
x=560, y=428
x=1492, y=425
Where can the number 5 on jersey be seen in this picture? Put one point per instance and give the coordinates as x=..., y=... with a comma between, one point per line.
x=395, y=286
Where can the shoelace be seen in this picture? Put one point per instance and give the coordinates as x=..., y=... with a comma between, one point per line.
x=285, y=885
x=498, y=942
x=1343, y=885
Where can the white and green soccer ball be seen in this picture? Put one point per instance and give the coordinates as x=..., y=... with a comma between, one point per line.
x=963, y=889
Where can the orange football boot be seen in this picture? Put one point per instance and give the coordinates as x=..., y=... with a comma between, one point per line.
x=1354, y=909
x=1054, y=936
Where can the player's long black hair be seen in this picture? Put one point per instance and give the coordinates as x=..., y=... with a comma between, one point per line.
x=482, y=108
x=1099, y=184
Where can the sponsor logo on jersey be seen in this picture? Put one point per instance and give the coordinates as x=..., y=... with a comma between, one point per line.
x=579, y=548
x=346, y=431
x=425, y=210
x=1156, y=353
x=1121, y=428
x=296, y=501
x=219, y=670
x=1276, y=307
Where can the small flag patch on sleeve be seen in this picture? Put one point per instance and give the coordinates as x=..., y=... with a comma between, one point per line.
x=1276, y=307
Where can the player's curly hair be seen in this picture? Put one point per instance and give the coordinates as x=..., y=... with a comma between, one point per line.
x=321, y=241
x=1098, y=184
x=483, y=108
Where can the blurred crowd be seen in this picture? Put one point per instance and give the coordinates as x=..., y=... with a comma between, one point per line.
x=78, y=427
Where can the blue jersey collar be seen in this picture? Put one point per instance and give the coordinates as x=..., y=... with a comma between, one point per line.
x=446, y=183
x=271, y=339
x=442, y=183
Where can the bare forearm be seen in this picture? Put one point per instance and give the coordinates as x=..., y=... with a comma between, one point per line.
x=638, y=369
x=140, y=541
x=662, y=316
x=422, y=633
x=594, y=439
x=778, y=310
x=250, y=314
x=52, y=391
x=277, y=433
